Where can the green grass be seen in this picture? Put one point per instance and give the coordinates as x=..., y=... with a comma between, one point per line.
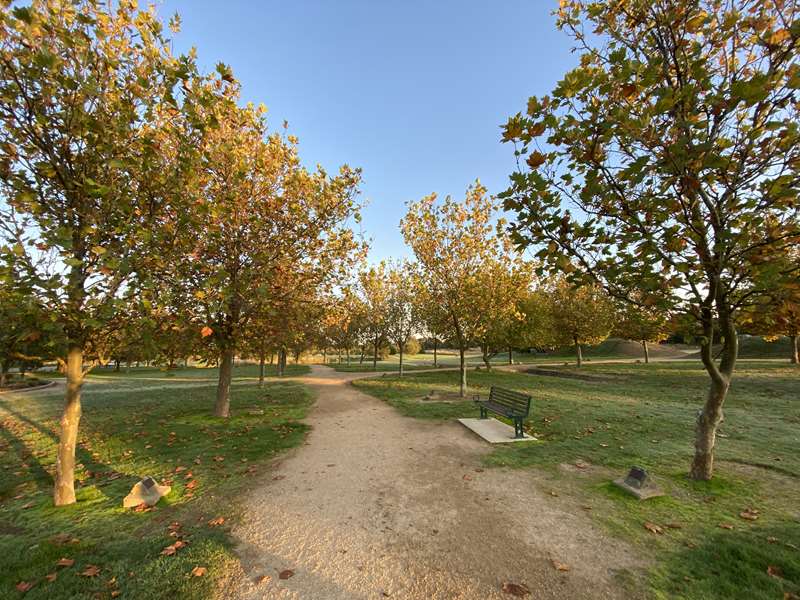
x=138, y=377
x=383, y=365
x=644, y=415
x=126, y=435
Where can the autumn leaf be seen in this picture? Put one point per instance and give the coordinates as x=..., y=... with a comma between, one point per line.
x=779, y=37
x=199, y=571
x=749, y=515
x=774, y=571
x=516, y=589
x=559, y=566
x=116, y=593
x=206, y=331
x=536, y=159
x=262, y=579
x=653, y=528
x=725, y=526
x=191, y=485
x=65, y=562
x=216, y=522
x=91, y=571
x=51, y=576
x=286, y=574
x=24, y=586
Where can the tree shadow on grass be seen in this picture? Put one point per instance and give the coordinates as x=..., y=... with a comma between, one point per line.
x=41, y=476
x=757, y=562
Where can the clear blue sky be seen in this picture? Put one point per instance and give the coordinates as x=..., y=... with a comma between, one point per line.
x=411, y=91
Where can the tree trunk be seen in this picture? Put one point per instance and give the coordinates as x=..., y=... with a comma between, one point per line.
x=485, y=356
x=347, y=353
x=795, y=352
x=463, y=364
x=116, y=365
x=64, y=492
x=711, y=416
x=324, y=356
x=281, y=362
x=435, y=344
x=646, y=352
x=3, y=372
x=400, y=346
x=375, y=354
x=262, y=357
x=708, y=420
x=222, y=408
x=578, y=352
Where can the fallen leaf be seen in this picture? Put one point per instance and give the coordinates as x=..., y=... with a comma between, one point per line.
x=516, y=589
x=772, y=540
x=774, y=571
x=168, y=551
x=581, y=464
x=91, y=571
x=467, y=477
x=285, y=574
x=725, y=526
x=116, y=593
x=262, y=579
x=199, y=571
x=65, y=562
x=749, y=514
x=24, y=586
x=554, y=494
x=191, y=485
x=216, y=522
x=51, y=576
x=558, y=566
x=652, y=527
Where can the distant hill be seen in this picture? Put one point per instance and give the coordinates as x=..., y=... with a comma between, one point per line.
x=755, y=347
x=618, y=348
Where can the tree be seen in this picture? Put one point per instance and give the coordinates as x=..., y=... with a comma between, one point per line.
x=454, y=243
x=261, y=231
x=349, y=320
x=777, y=313
x=503, y=282
x=80, y=89
x=642, y=324
x=581, y=315
x=433, y=318
x=664, y=166
x=23, y=333
x=400, y=317
x=373, y=292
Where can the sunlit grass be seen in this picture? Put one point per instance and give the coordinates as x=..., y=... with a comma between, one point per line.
x=635, y=414
x=167, y=434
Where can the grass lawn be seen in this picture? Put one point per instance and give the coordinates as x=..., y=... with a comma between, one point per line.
x=138, y=377
x=383, y=365
x=165, y=433
x=644, y=415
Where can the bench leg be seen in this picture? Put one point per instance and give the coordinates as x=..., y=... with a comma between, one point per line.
x=483, y=413
x=518, y=433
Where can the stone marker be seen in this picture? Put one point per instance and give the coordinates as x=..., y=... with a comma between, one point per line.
x=147, y=491
x=638, y=484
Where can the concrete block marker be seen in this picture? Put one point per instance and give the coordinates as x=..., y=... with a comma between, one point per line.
x=493, y=431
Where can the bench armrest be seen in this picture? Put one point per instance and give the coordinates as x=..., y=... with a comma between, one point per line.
x=476, y=398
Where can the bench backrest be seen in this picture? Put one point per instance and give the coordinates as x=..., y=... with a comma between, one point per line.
x=519, y=403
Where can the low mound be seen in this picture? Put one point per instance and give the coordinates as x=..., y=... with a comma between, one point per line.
x=756, y=347
x=618, y=348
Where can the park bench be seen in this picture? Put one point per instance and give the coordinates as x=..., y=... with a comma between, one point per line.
x=507, y=403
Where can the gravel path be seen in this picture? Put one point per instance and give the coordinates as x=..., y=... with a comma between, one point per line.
x=377, y=505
